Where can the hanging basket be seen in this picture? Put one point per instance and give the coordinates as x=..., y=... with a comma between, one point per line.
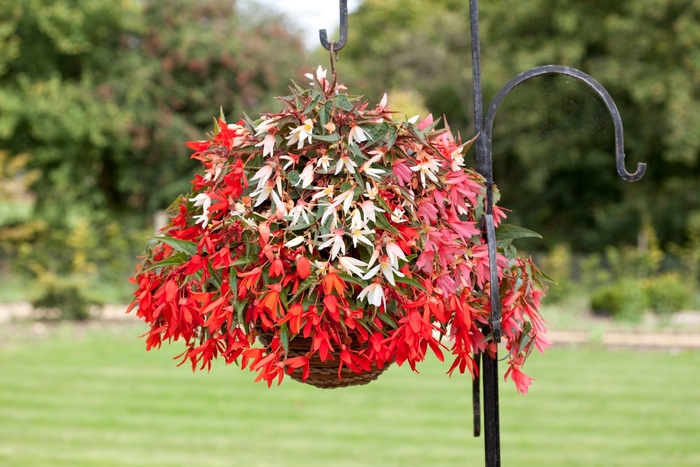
x=325, y=374
x=343, y=239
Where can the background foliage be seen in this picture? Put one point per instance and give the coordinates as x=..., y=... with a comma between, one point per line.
x=553, y=143
x=102, y=94
x=96, y=99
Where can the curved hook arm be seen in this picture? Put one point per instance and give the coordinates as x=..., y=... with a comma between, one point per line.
x=340, y=43
x=590, y=82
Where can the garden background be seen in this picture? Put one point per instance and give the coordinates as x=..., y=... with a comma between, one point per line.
x=97, y=99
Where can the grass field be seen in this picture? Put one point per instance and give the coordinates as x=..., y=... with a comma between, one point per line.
x=94, y=397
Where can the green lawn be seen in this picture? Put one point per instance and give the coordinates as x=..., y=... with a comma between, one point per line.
x=96, y=398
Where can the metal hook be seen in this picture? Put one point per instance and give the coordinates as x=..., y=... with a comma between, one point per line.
x=340, y=43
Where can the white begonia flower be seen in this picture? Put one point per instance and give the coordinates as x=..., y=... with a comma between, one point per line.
x=372, y=191
x=368, y=209
x=290, y=161
x=307, y=176
x=374, y=293
x=324, y=161
x=238, y=209
x=335, y=238
x=359, y=235
x=265, y=125
x=428, y=167
x=326, y=191
x=372, y=172
x=351, y=265
x=263, y=175
x=203, y=200
x=382, y=103
x=356, y=135
x=295, y=242
x=332, y=212
x=262, y=194
x=203, y=218
x=395, y=253
x=397, y=216
x=301, y=133
x=387, y=269
x=345, y=198
x=279, y=205
x=213, y=176
x=320, y=75
x=268, y=145
x=300, y=210
x=457, y=158
x=356, y=220
x=346, y=161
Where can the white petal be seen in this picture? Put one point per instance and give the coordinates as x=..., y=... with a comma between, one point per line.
x=294, y=242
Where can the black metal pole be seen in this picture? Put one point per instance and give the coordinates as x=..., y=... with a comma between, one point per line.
x=489, y=366
x=492, y=437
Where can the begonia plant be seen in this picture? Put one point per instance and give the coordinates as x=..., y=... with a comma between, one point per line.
x=335, y=221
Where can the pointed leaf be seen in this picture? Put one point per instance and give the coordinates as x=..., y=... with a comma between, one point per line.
x=187, y=247
x=412, y=282
x=508, y=231
x=174, y=260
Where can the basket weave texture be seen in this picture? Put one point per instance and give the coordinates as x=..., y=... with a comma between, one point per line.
x=322, y=374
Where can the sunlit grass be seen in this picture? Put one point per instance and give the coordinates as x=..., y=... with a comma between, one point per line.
x=96, y=398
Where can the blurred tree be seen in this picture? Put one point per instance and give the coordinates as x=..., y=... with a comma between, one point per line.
x=553, y=152
x=103, y=94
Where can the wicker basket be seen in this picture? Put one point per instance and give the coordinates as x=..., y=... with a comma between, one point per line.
x=324, y=375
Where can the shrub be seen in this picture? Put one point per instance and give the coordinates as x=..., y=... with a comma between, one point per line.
x=61, y=298
x=623, y=300
x=666, y=294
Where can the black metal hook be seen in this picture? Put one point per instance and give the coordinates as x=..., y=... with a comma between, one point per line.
x=591, y=83
x=340, y=43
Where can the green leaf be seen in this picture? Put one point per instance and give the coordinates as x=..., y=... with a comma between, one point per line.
x=327, y=138
x=174, y=260
x=293, y=177
x=393, y=133
x=324, y=113
x=174, y=207
x=508, y=231
x=377, y=132
x=357, y=152
x=284, y=338
x=299, y=226
x=504, y=243
x=233, y=280
x=283, y=299
x=300, y=88
x=249, y=122
x=316, y=97
x=214, y=277
x=351, y=279
x=240, y=308
x=411, y=282
x=187, y=247
x=342, y=102
x=388, y=320
x=358, y=178
x=384, y=224
x=546, y=276
x=306, y=284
